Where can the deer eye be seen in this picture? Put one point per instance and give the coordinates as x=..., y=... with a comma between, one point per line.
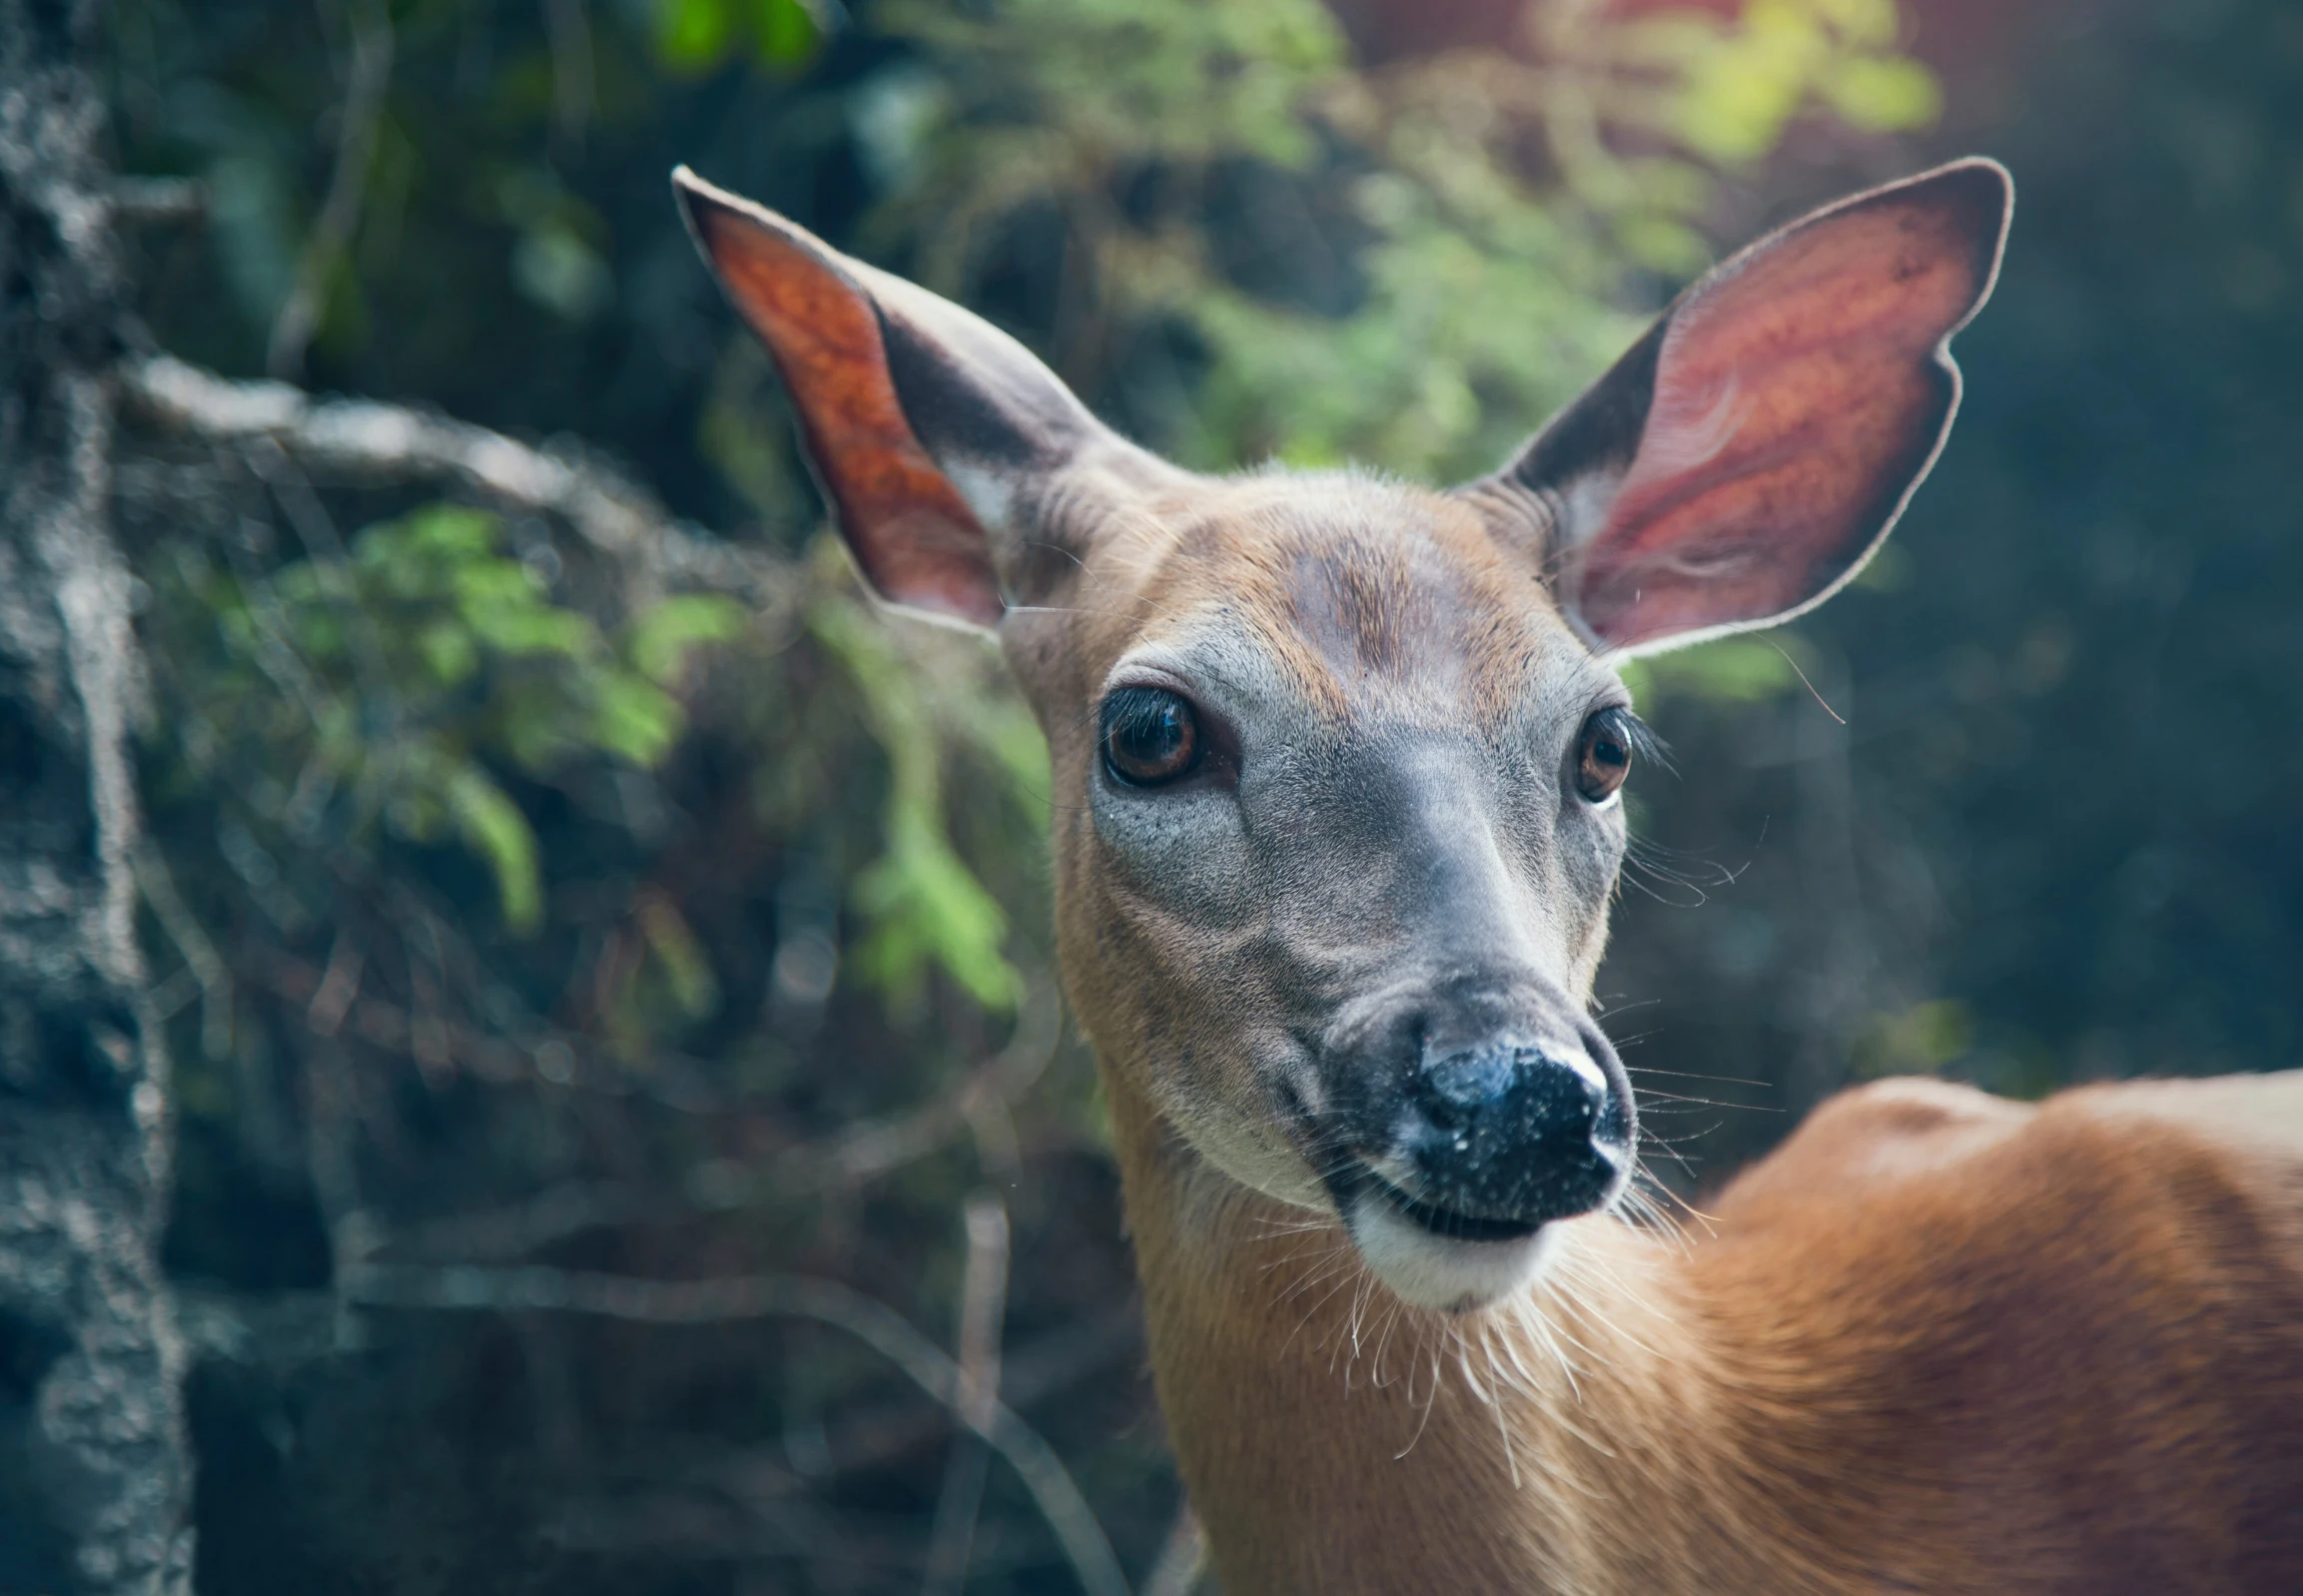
x=1150, y=736
x=1603, y=755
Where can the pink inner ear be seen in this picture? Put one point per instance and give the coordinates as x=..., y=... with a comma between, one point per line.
x=1799, y=396
x=915, y=538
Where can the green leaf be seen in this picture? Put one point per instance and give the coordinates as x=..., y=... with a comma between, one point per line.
x=448, y=651
x=1886, y=94
x=658, y=642
x=694, y=35
x=688, y=968
x=926, y=905
x=1011, y=734
x=452, y=531
x=634, y=718
x=520, y=625
x=787, y=33
x=493, y=826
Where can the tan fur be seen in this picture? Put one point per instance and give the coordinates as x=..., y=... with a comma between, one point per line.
x=1984, y=1349
x=1260, y=551
x=1324, y=570
x=1937, y=1343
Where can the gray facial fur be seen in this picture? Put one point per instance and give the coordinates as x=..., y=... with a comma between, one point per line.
x=1378, y=877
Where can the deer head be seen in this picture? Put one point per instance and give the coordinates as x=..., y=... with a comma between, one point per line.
x=1337, y=759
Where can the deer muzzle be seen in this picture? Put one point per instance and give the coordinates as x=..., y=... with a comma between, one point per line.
x=1452, y=1158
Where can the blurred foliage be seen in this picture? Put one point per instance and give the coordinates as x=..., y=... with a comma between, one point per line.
x=695, y=36
x=341, y=694
x=1745, y=82
x=1918, y=1041
x=1743, y=670
x=1479, y=210
x=1476, y=215
x=599, y=859
x=920, y=898
x=493, y=876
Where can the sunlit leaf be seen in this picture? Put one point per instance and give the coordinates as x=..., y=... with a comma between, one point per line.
x=921, y=900
x=787, y=33
x=1885, y=93
x=634, y=718
x=448, y=650
x=503, y=615
x=694, y=35
x=659, y=641
x=924, y=906
x=494, y=827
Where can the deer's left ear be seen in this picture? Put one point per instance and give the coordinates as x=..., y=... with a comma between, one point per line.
x=1749, y=454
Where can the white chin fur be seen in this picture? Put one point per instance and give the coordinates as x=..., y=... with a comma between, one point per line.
x=1436, y=1271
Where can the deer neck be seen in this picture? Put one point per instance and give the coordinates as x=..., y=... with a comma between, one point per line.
x=1335, y=1441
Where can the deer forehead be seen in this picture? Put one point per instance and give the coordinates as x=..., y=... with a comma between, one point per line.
x=1344, y=598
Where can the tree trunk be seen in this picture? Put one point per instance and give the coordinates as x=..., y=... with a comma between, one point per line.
x=94, y=1483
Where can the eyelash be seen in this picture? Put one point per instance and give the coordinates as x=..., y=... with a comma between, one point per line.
x=1645, y=744
x=1608, y=741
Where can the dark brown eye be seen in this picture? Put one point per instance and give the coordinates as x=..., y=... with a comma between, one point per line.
x=1603, y=758
x=1150, y=736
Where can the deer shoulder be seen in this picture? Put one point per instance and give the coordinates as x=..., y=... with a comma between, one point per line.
x=2067, y=1335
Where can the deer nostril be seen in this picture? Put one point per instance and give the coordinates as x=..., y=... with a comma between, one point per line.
x=1455, y=1091
x=1508, y=1130
x=1521, y=1083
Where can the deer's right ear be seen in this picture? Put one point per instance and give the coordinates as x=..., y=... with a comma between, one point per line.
x=935, y=435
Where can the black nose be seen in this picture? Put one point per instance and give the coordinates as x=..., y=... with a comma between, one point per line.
x=1509, y=1133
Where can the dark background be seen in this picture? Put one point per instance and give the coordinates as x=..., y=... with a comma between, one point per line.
x=509, y=917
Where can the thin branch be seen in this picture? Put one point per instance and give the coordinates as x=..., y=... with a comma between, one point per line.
x=382, y=1023
x=331, y=1109
x=356, y=124
x=337, y=987
x=874, y=1147
x=757, y=1297
x=289, y=1329
x=1030, y=1374
x=983, y=1311
x=368, y=439
x=308, y=518
x=552, y=1215
x=676, y=1081
x=155, y=202
x=859, y=1155
x=200, y=955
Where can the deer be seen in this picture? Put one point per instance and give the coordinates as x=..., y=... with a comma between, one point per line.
x=1337, y=768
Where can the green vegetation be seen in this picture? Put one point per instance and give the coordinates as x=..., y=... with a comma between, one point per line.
x=521, y=898
x=471, y=793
